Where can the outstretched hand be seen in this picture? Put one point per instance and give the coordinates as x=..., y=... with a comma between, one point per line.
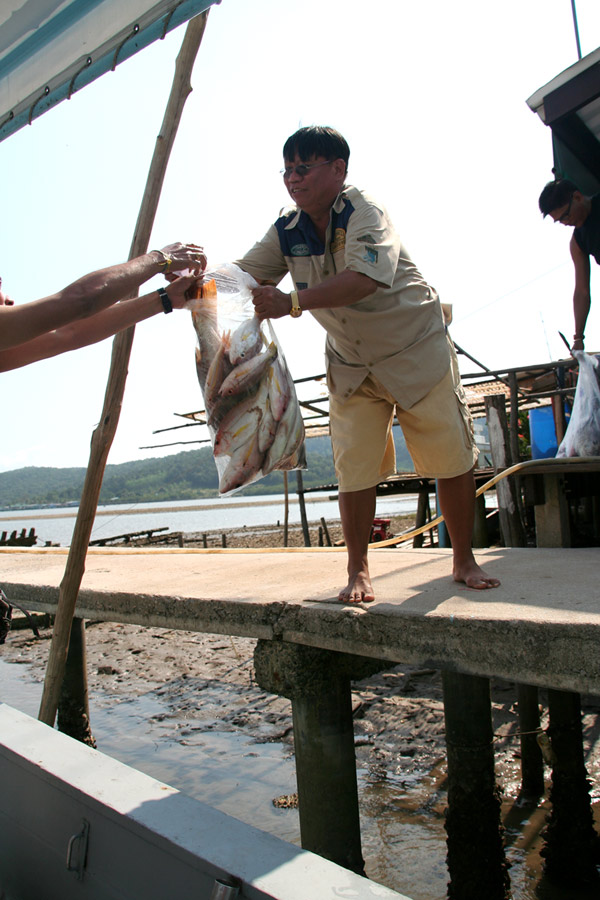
x=181, y=289
x=185, y=257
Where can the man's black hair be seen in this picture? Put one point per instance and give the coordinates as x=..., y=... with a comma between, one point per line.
x=556, y=194
x=316, y=140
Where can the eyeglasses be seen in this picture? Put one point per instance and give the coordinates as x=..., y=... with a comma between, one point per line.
x=567, y=212
x=303, y=169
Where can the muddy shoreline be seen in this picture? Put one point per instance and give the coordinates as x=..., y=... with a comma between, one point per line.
x=266, y=536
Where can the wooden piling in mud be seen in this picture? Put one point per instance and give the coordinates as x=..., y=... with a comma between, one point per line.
x=572, y=847
x=532, y=763
x=73, y=706
x=318, y=684
x=473, y=797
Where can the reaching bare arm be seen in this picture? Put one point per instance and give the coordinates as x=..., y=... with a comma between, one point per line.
x=91, y=294
x=94, y=328
x=581, y=294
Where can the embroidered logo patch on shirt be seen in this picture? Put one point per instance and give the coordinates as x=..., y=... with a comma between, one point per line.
x=371, y=255
x=300, y=250
x=366, y=239
x=339, y=240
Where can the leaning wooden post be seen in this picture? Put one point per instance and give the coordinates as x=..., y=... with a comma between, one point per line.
x=73, y=706
x=103, y=435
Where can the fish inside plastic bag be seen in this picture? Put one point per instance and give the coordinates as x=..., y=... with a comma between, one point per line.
x=252, y=410
x=582, y=437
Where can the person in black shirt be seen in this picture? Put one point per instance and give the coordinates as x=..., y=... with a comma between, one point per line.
x=563, y=200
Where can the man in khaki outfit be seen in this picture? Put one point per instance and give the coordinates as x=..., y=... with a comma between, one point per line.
x=387, y=349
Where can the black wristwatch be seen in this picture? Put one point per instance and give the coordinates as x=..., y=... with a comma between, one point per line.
x=164, y=299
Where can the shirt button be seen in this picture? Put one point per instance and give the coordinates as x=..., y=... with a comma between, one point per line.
x=343, y=321
x=325, y=271
x=358, y=341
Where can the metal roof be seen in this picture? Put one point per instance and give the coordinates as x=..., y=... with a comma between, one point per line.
x=51, y=48
x=570, y=106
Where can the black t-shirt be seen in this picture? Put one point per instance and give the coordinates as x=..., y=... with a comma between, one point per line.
x=588, y=236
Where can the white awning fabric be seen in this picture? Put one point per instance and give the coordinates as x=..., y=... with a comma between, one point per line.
x=51, y=48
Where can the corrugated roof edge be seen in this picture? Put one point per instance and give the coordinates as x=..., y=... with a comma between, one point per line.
x=536, y=101
x=88, y=70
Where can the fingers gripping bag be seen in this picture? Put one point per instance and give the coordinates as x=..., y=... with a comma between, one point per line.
x=582, y=437
x=252, y=410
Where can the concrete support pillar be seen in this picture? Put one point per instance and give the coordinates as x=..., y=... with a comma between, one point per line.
x=532, y=762
x=318, y=684
x=73, y=706
x=476, y=861
x=326, y=775
x=572, y=849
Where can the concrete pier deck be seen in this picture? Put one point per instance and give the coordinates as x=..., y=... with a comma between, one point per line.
x=542, y=626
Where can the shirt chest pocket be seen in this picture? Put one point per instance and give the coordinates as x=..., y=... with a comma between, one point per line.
x=337, y=261
x=301, y=270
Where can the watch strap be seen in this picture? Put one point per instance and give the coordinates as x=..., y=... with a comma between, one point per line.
x=164, y=299
x=296, y=309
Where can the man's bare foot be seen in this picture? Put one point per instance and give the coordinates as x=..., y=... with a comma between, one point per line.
x=358, y=590
x=474, y=576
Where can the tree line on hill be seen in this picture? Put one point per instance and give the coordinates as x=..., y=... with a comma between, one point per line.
x=188, y=475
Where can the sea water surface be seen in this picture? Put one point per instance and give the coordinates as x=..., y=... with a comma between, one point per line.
x=56, y=524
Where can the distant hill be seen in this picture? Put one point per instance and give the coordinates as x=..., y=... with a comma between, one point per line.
x=183, y=476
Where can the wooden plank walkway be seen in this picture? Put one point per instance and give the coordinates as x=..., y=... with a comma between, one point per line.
x=542, y=626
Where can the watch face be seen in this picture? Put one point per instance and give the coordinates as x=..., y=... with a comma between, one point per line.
x=295, y=311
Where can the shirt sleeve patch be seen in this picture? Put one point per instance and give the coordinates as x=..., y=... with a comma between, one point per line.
x=371, y=255
x=300, y=250
x=339, y=240
x=366, y=239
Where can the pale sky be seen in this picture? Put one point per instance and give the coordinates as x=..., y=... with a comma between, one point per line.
x=431, y=97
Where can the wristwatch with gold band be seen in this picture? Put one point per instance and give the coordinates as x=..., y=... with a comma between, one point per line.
x=296, y=309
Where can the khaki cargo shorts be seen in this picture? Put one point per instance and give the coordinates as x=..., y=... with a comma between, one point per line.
x=438, y=431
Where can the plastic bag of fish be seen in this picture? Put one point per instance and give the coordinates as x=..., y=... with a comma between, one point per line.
x=252, y=411
x=582, y=437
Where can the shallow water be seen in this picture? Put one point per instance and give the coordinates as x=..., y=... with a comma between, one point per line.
x=186, y=746
x=56, y=524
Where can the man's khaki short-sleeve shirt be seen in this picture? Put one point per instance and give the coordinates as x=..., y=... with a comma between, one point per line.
x=397, y=333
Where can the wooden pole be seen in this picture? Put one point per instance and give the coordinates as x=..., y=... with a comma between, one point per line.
x=511, y=526
x=302, y=505
x=103, y=435
x=286, y=509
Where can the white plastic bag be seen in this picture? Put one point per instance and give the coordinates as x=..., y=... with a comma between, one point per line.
x=582, y=437
x=252, y=411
